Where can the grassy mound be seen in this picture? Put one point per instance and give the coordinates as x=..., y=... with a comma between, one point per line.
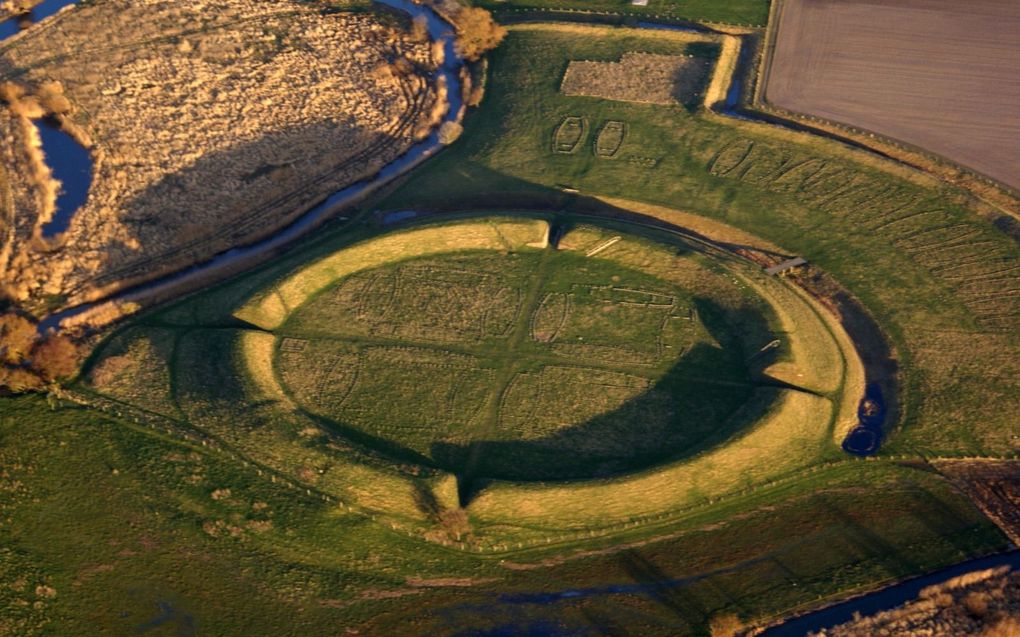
x=535, y=365
x=489, y=366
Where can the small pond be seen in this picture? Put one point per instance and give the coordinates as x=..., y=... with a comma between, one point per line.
x=72, y=166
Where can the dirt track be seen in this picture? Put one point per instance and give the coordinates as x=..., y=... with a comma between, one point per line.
x=939, y=74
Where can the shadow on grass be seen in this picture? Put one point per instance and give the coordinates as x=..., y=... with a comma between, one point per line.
x=881, y=367
x=684, y=413
x=695, y=405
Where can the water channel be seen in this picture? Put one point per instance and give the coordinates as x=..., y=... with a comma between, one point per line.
x=884, y=599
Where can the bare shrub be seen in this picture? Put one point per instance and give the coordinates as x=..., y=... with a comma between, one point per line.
x=419, y=29
x=976, y=604
x=11, y=92
x=56, y=357
x=26, y=363
x=477, y=32
x=51, y=97
x=47, y=592
x=944, y=600
x=726, y=625
x=17, y=335
x=19, y=379
x=449, y=132
x=17, y=7
x=20, y=101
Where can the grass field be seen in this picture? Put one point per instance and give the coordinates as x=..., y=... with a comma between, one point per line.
x=265, y=559
x=444, y=354
x=385, y=378
x=940, y=280
x=742, y=12
x=279, y=430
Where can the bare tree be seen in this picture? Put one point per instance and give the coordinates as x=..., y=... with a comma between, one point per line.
x=55, y=358
x=17, y=335
x=477, y=32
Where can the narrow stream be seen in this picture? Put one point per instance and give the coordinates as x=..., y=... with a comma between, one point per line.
x=884, y=599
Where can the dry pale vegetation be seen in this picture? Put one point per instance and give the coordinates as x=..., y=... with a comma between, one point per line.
x=210, y=126
x=722, y=77
x=25, y=185
x=984, y=603
x=638, y=77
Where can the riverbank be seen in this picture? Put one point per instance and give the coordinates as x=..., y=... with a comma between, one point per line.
x=964, y=599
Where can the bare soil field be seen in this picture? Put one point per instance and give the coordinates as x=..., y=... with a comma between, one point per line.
x=208, y=128
x=937, y=74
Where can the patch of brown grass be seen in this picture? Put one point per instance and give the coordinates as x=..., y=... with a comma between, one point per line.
x=1009, y=627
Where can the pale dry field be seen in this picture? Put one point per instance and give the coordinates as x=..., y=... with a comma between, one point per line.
x=210, y=127
x=938, y=74
x=637, y=77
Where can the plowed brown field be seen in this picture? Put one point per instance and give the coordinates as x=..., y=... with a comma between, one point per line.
x=940, y=74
